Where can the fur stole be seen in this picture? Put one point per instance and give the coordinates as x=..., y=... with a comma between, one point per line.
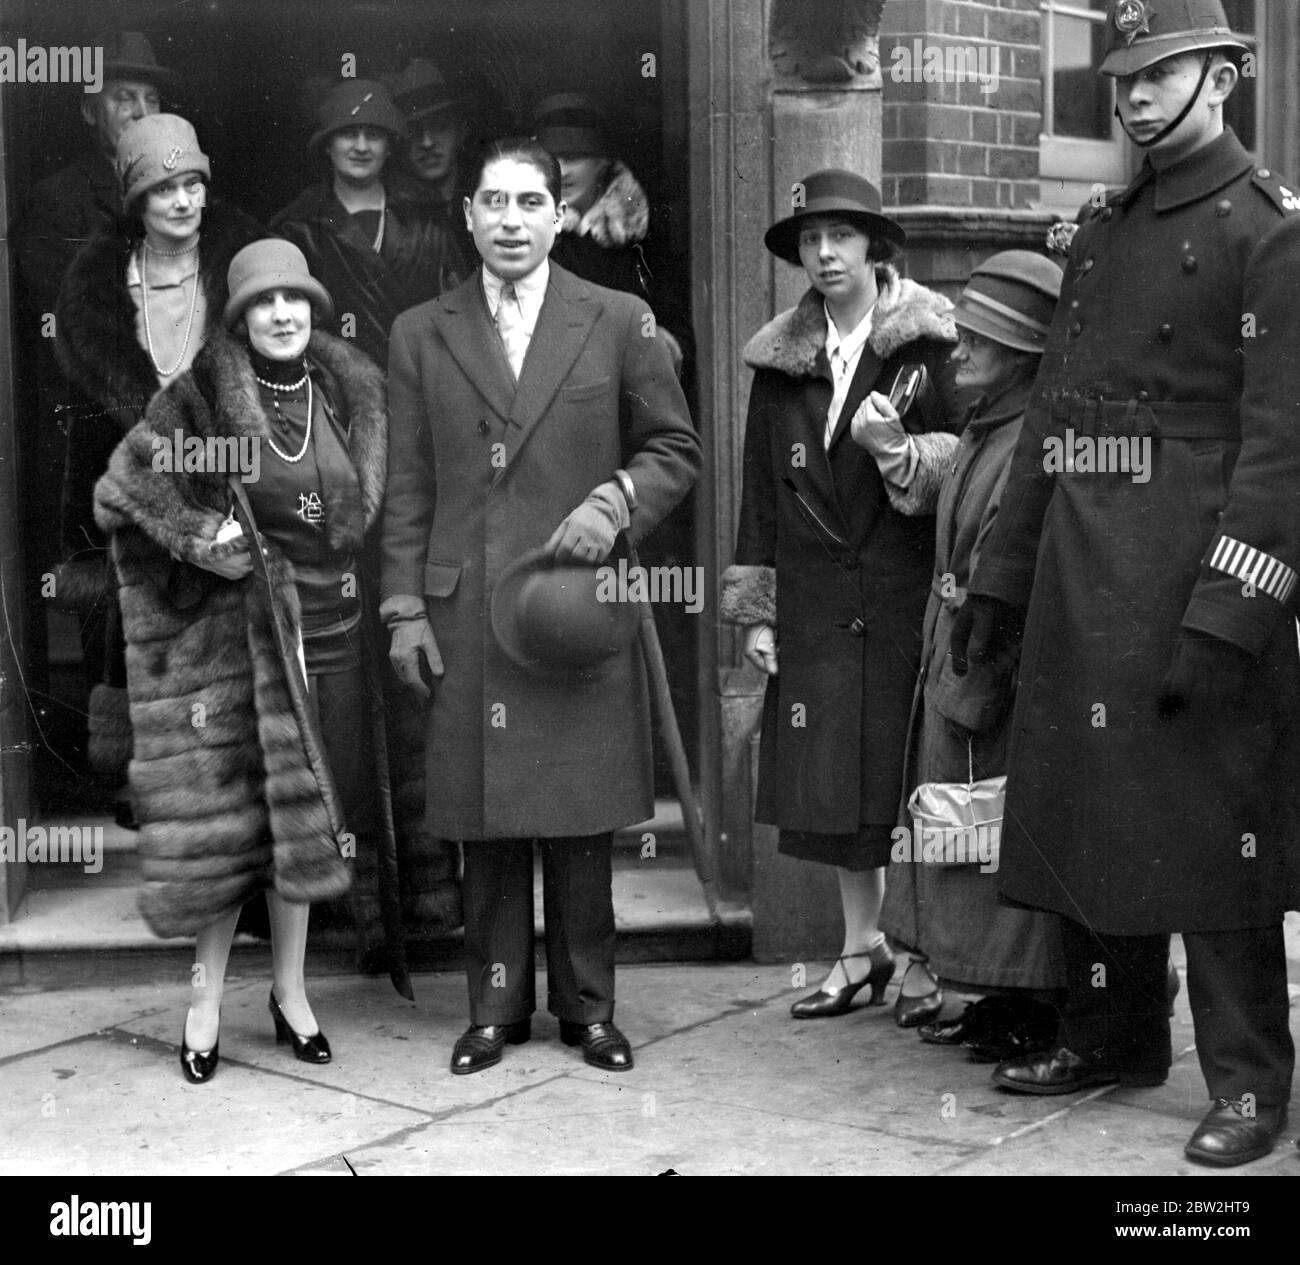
x=904, y=312
x=619, y=217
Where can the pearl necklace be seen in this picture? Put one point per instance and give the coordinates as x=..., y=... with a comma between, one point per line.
x=171, y=254
x=148, y=333
x=275, y=400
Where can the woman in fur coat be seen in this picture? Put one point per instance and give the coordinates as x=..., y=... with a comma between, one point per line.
x=249, y=698
x=950, y=913
x=834, y=551
x=138, y=303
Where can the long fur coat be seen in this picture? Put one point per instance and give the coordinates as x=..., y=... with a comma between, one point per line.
x=221, y=774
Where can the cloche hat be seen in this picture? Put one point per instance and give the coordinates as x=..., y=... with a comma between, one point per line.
x=357, y=103
x=156, y=148
x=1010, y=298
x=271, y=264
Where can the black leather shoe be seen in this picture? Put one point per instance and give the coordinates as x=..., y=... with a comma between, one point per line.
x=912, y=1012
x=199, y=1065
x=603, y=1045
x=826, y=1003
x=313, y=1049
x=480, y=1047
x=973, y=1024
x=1014, y=1030
x=1227, y=1136
x=1059, y=1071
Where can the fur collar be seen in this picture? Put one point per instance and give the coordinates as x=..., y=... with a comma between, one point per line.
x=904, y=312
x=219, y=397
x=619, y=217
x=96, y=344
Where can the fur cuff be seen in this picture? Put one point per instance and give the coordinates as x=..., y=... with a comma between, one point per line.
x=933, y=455
x=620, y=216
x=748, y=595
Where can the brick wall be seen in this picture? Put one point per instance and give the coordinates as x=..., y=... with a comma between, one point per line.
x=952, y=142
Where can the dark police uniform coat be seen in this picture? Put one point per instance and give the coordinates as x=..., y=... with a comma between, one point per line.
x=481, y=471
x=837, y=561
x=1177, y=323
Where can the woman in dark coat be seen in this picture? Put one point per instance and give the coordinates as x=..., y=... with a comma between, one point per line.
x=250, y=703
x=835, y=547
x=950, y=913
x=137, y=305
x=372, y=236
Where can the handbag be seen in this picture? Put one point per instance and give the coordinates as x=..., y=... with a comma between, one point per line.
x=959, y=823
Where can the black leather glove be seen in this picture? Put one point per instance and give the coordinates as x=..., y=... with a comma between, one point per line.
x=1207, y=673
x=985, y=629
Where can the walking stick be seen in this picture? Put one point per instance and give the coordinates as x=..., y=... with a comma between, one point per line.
x=691, y=817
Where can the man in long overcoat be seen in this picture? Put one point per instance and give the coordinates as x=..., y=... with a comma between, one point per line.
x=529, y=410
x=1150, y=529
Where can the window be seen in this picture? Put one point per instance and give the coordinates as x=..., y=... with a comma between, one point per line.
x=1082, y=143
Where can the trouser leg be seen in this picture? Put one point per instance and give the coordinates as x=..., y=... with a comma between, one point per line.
x=1116, y=1010
x=579, y=916
x=1236, y=982
x=498, y=896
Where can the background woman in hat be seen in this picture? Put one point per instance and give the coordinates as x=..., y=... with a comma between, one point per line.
x=243, y=799
x=370, y=234
x=950, y=913
x=834, y=551
x=139, y=301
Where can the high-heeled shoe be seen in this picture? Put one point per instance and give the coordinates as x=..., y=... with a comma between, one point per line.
x=198, y=1066
x=312, y=1049
x=826, y=1003
x=912, y=1012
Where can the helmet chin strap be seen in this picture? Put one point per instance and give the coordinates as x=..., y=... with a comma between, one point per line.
x=1186, y=110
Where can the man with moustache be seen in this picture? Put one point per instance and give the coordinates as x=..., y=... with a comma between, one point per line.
x=1151, y=779
x=535, y=417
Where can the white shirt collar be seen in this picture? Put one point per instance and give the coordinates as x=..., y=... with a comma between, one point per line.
x=530, y=289
x=851, y=345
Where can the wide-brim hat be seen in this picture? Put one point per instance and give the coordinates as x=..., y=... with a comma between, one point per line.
x=842, y=194
x=271, y=264
x=571, y=124
x=420, y=91
x=1142, y=33
x=357, y=103
x=129, y=55
x=1010, y=298
x=549, y=617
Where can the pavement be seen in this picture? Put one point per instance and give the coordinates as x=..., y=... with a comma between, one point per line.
x=725, y=1082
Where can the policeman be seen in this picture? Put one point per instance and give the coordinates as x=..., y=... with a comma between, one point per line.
x=1147, y=548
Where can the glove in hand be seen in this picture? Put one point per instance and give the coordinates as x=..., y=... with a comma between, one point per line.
x=877, y=427
x=588, y=533
x=411, y=639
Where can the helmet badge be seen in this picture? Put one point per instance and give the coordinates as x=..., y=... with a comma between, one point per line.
x=1133, y=18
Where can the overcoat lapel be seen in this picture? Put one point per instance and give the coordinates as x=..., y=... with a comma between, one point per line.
x=466, y=328
x=864, y=382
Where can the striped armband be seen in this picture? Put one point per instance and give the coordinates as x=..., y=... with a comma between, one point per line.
x=1252, y=566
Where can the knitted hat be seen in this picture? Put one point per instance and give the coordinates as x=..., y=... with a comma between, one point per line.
x=1010, y=298
x=272, y=264
x=156, y=148
x=357, y=103
x=570, y=124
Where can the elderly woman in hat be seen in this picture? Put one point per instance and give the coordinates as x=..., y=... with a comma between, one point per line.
x=248, y=690
x=949, y=914
x=834, y=550
x=139, y=301
x=370, y=234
